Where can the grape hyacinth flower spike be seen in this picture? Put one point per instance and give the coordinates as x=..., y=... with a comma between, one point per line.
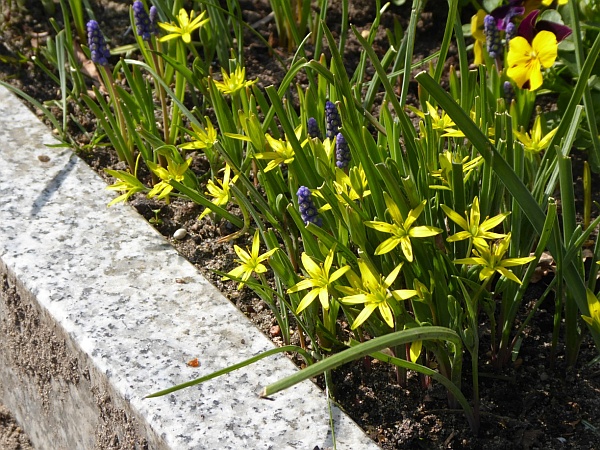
x=153, y=15
x=307, y=207
x=342, y=152
x=332, y=120
x=509, y=93
x=144, y=26
x=97, y=44
x=312, y=128
x=492, y=35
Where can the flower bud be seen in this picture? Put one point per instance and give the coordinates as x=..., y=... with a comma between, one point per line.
x=98, y=47
x=307, y=207
x=312, y=128
x=342, y=152
x=332, y=120
x=144, y=26
x=492, y=35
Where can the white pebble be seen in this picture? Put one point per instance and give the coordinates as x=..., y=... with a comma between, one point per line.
x=180, y=234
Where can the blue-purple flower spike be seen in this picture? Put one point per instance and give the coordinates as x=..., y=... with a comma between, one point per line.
x=97, y=44
x=307, y=207
x=342, y=152
x=312, y=128
x=492, y=37
x=143, y=24
x=509, y=93
x=510, y=32
x=153, y=16
x=332, y=120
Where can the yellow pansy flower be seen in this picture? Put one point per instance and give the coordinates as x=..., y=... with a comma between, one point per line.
x=525, y=61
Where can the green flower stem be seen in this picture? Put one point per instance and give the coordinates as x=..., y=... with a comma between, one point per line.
x=474, y=314
x=247, y=362
x=509, y=308
x=278, y=310
x=179, y=93
x=567, y=195
x=415, y=15
x=450, y=20
x=110, y=84
x=159, y=68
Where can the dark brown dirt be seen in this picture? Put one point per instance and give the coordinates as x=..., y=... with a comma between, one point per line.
x=530, y=405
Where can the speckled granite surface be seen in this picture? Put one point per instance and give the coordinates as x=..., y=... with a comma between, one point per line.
x=95, y=291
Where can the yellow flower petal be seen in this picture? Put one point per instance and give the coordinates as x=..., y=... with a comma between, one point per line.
x=545, y=47
x=519, y=52
x=415, y=350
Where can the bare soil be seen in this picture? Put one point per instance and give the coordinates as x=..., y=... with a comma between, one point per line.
x=531, y=405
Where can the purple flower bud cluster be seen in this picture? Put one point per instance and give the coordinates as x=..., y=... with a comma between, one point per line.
x=332, y=120
x=144, y=24
x=312, y=128
x=510, y=31
x=492, y=37
x=97, y=44
x=307, y=207
x=509, y=93
x=342, y=152
x=153, y=15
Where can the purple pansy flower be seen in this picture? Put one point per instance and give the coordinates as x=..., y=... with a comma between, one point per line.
x=530, y=26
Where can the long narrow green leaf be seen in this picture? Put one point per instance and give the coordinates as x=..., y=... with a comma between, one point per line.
x=201, y=200
x=226, y=370
x=364, y=349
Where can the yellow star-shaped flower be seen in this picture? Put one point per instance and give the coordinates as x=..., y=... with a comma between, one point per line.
x=401, y=230
x=233, y=82
x=535, y=142
x=318, y=279
x=375, y=293
x=187, y=24
x=249, y=262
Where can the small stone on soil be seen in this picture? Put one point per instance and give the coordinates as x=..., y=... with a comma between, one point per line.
x=180, y=234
